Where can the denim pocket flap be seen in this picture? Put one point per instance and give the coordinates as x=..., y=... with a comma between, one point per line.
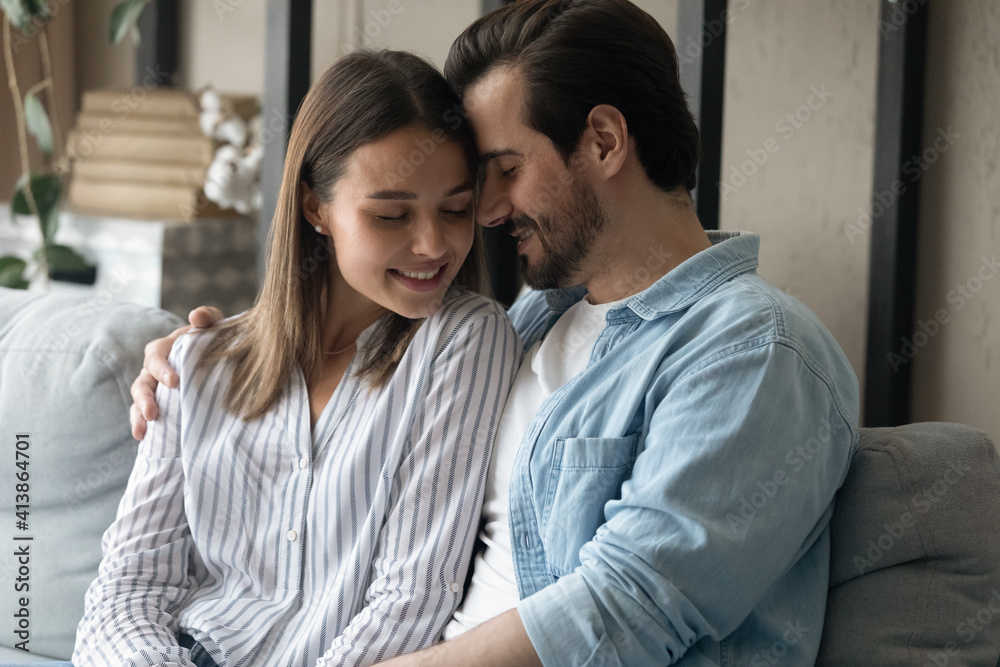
x=597, y=452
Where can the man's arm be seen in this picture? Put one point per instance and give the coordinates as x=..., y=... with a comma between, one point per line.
x=156, y=369
x=500, y=641
x=680, y=558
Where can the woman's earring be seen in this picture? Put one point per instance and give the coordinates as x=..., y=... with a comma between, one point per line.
x=319, y=229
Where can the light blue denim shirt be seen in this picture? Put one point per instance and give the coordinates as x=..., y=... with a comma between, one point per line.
x=670, y=504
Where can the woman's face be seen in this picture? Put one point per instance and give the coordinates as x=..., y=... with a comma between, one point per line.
x=401, y=220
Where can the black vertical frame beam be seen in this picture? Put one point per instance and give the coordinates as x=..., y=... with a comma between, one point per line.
x=156, y=53
x=892, y=281
x=701, y=52
x=287, y=57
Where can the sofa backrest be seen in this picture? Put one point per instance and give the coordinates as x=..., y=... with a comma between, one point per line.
x=66, y=365
x=915, y=561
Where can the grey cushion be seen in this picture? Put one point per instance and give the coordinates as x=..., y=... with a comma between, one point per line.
x=66, y=364
x=915, y=536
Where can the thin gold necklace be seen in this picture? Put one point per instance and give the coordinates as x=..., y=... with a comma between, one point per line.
x=335, y=352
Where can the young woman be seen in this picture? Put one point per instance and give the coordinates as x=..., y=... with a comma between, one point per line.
x=311, y=491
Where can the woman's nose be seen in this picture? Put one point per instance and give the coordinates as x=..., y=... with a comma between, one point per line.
x=430, y=239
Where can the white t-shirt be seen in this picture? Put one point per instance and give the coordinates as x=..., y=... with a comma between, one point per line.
x=549, y=364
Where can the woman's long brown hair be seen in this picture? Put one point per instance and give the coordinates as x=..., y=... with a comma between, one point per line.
x=361, y=98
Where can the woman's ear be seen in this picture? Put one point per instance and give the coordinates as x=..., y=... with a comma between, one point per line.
x=310, y=206
x=607, y=134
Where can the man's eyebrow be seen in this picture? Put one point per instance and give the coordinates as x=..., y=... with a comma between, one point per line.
x=492, y=155
x=392, y=194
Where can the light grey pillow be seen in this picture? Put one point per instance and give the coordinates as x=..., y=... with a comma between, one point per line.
x=66, y=365
x=915, y=562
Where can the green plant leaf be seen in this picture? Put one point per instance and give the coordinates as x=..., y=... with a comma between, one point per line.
x=124, y=18
x=21, y=12
x=12, y=272
x=38, y=122
x=16, y=11
x=46, y=189
x=63, y=258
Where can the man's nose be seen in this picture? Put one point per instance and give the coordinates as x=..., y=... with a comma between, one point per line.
x=494, y=203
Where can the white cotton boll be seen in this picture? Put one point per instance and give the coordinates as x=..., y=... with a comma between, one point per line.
x=233, y=180
x=210, y=100
x=209, y=120
x=218, y=180
x=232, y=130
x=254, y=156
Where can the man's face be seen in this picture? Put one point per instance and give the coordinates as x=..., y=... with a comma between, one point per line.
x=546, y=204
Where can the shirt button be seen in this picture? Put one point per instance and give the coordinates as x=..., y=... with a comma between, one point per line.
x=292, y=536
x=454, y=587
x=303, y=463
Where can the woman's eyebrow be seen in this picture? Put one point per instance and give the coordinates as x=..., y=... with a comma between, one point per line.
x=403, y=194
x=392, y=194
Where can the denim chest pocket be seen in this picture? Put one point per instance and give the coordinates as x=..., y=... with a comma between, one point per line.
x=586, y=474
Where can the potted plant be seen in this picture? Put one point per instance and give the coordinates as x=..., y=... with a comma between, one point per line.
x=38, y=193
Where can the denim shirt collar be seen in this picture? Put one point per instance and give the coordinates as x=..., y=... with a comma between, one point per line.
x=732, y=253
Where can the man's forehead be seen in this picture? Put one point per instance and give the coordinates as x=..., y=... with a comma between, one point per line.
x=503, y=82
x=494, y=98
x=494, y=106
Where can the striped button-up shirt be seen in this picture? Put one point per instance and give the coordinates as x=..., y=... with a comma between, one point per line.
x=273, y=543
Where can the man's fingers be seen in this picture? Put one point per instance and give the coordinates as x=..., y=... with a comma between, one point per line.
x=138, y=423
x=204, y=317
x=144, y=395
x=155, y=360
x=156, y=368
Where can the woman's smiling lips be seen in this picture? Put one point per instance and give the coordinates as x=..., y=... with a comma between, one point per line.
x=420, y=279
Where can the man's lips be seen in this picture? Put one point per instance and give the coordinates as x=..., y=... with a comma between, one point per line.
x=523, y=237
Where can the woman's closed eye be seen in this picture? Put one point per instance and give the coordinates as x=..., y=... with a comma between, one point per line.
x=390, y=216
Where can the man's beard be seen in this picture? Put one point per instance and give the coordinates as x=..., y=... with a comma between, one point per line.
x=567, y=238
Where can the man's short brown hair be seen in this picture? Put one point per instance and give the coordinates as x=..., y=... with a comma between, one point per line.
x=577, y=54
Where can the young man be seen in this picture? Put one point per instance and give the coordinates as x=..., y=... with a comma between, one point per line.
x=665, y=470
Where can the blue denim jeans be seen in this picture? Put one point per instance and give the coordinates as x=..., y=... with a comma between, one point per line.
x=199, y=656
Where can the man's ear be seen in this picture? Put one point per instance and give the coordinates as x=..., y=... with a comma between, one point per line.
x=607, y=139
x=310, y=205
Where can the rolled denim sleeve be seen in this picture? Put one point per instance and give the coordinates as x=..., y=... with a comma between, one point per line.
x=733, y=484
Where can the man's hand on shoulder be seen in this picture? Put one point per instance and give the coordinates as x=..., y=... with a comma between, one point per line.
x=155, y=369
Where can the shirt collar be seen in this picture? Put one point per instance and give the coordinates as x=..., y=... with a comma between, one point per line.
x=732, y=253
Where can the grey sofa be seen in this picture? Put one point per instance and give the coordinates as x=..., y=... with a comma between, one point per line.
x=912, y=575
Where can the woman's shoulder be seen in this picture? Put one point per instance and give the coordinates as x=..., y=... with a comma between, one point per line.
x=466, y=326
x=463, y=311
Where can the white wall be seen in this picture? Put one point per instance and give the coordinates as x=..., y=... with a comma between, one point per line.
x=956, y=372
x=806, y=177
x=222, y=44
